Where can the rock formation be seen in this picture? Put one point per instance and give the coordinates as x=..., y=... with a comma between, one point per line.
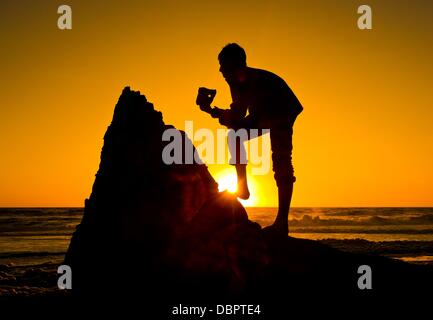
x=165, y=230
x=146, y=215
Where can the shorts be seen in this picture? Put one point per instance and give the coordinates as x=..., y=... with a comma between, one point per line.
x=281, y=148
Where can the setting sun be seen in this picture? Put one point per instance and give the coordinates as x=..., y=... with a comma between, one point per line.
x=227, y=180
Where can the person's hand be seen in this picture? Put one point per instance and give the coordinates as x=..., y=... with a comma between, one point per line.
x=206, y=108
x=215, y=112
x=226, y=118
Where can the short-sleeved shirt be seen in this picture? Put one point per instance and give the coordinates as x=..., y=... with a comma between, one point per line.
x=267, y=98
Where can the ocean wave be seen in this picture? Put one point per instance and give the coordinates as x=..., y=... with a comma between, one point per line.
x=40, y=211
x=38, y=219
x=361, y=231
x=37, y=233
x=375, y=220
x=381, y=247
x=29, y=254
x=383, y=211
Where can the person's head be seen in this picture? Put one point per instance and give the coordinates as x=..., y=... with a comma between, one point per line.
x=233, y=62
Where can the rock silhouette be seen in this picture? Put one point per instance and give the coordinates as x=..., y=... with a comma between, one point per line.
x=165, y=230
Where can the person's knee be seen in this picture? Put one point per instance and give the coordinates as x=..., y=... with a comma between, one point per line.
x=283, y=169
x=283, y=180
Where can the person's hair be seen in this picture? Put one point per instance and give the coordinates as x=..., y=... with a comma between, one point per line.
x=233, y=54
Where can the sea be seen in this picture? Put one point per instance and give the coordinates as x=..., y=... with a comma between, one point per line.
x=33, y=241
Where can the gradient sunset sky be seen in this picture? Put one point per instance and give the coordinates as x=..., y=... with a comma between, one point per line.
x=365, y=137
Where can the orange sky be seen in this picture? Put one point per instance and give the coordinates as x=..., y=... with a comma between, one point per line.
x=364, y=138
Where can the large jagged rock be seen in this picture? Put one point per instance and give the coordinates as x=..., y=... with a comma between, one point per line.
x=152, y=216
x=165, y=230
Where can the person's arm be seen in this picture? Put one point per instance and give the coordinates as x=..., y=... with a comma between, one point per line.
x=238, y=107
x=234, y=116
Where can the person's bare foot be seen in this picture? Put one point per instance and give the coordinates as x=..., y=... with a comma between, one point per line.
x=279, y=227
x=243, y=193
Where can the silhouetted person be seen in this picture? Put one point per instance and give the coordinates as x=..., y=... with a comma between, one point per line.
x=270, y=104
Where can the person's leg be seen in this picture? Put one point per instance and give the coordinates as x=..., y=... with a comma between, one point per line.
x=241, y=172
x=285, y=191
x=238, y=158
x=281, y=144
